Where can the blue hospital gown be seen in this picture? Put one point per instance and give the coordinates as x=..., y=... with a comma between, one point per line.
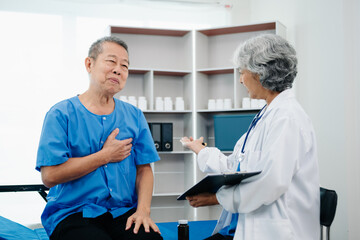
x=71, y=131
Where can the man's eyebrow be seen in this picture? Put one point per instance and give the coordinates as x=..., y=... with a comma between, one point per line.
x=114, y=56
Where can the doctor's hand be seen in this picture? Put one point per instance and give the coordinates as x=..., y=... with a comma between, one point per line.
x=202, y=200
x=194, y=145
x=117, y=150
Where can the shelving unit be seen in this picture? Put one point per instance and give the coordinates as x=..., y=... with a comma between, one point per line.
x=196, y=65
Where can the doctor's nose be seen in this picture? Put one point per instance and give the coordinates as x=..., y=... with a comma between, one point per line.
x=241, y=80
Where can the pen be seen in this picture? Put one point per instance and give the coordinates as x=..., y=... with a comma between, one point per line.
x=204, y=144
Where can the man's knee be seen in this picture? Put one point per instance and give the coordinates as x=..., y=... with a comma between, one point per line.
x=142, y=235
x=151, y=236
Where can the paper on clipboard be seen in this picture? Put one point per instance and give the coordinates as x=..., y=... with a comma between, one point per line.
x=212, y=182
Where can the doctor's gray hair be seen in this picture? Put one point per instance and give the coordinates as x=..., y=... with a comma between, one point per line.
x=97, y=47
x=272, y=58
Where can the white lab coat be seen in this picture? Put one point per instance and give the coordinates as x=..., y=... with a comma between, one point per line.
x=283, y=202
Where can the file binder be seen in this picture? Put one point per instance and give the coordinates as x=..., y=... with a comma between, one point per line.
x=166, y=137
x=155, y=129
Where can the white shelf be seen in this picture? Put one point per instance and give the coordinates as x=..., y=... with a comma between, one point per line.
x=169, y=72
x=170, y=112
x=229, y=110
x=175, y=152
x=139, y=70
x=197, y=66
x=167, y=194
x=211, y=71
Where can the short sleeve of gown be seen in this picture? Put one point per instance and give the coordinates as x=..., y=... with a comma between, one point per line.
x=144, y=148
x=53, y=148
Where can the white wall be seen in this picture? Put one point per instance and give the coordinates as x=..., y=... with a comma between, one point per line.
x=351, y=80
x=325, y=34
x=43, y=45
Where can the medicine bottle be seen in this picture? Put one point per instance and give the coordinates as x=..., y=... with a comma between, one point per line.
x=183, y=230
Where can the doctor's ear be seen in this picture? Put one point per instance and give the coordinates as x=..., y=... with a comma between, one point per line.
x=256, y=76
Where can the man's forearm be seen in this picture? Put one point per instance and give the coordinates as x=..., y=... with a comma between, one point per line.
x=72, y=169
x=144, y=186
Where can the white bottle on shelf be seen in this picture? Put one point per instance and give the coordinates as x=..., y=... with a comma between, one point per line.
x=227, y=103
x=142, y=103
x=262, y=103
x=246, y=102
x=211, y=104
x=254, y=103
x=219, y=104
x=159, y=104
x=179, y=104
x=132, y=100
x=123, y=98
x=168, y=104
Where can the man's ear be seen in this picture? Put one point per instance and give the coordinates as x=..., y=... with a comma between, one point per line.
x=88, y=64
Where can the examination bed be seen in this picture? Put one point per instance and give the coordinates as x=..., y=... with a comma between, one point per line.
x=11, y=230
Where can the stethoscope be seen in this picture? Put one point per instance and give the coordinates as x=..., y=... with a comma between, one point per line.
x=252, y=125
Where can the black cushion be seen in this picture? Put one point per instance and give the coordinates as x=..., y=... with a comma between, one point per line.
x=328, y=203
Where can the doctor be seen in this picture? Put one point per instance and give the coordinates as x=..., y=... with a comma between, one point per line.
x=283, y=202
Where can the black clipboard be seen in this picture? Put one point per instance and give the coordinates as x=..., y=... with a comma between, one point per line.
x=212, y=182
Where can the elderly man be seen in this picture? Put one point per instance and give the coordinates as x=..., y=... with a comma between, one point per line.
x=95, y=153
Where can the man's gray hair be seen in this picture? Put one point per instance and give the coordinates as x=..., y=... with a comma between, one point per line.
x=97, y=47
x=272, y=58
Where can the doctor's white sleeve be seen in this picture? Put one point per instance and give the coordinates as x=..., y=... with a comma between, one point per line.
x=279, y=161
x=212, y=160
